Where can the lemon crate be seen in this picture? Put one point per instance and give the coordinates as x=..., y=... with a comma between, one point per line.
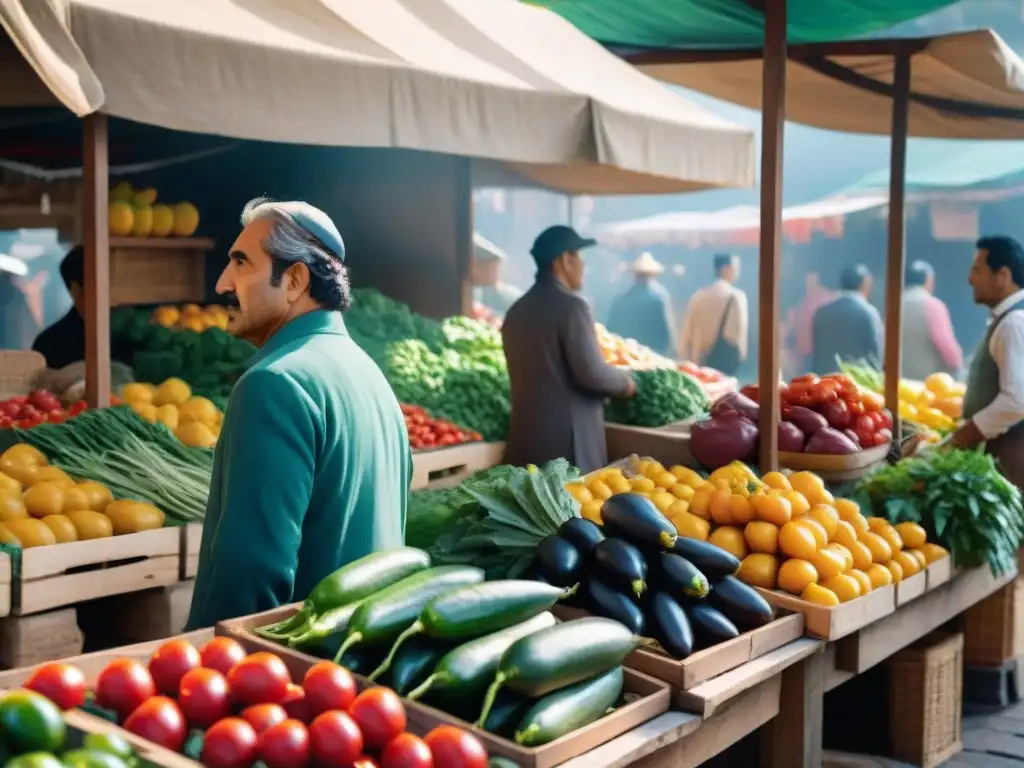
x=154, y=270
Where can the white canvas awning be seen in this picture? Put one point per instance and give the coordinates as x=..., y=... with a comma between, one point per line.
x=968, y=85
x=487, y=79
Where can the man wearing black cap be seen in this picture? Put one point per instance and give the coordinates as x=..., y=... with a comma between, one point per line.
x=559, y=378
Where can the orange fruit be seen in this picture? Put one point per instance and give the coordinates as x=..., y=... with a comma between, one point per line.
x=740, y=509
x=876, y=524
x=690, y=526
x=795, y=575
x=820, y=497
x=896, y=570
x=862, y=557
x=662, y=500
x=682, y=491
x=817, y=530
x=846, y=508
x=777, y=480
x=892, y=538
x=847, y=555
x=665, y=480
x=908, y=563
x=772, y=508
x=845, y=535
x=677, y=507
x=54, y=475
x=700, y=504
x=730, y=538
x=797, y=541
x=63, y=529
x=99, y=495
x=862, y=579
x=617, y=483
x=44, y=499
x=913, y=535
x=762, y=537
x=759, y=570
x=881, y=552
x=806, y=482
x=828, y=518
x=819, y=595
x=639, y=484
x=829, y=563
x=721, y=507
x=921, y=559
x=600, y=490
x=798, y=501
x=933, y=552
x=591, y=510
x=12, y=507
x=880, y=576
x=846, y=588
x=75, y=499
x=859, y=523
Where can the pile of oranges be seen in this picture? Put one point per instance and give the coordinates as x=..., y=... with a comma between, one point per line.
x=788, y=531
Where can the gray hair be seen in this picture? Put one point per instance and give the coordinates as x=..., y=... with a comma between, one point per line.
x=288, y=243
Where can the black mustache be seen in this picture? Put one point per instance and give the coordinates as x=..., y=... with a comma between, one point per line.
x=230, y=301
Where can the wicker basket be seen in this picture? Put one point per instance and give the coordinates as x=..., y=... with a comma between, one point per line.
x=994, y=628
x=19, y=372
x=925, y=692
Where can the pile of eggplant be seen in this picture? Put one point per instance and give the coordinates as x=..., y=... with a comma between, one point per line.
x=636, y=570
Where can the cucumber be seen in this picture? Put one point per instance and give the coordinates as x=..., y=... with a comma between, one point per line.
x=466, y=671
x=582, y=534
x=501, y=762
x=321, y=627
x=413, y=664
x=603, y=600
x=507, y=712
x=566, y=654
x=383, y=617
x=669, y=625
x=558, y=561
x=714, y=562
x=740, y=603
x=634, y=518
x=622, y=563
x=569, y=709
x=477, y=610
x=680, y=577
x=361, y=661
x=710, y=626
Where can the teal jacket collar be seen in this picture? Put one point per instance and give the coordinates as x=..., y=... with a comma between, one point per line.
x=320, y=321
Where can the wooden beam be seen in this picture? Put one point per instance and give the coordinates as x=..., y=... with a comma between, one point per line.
x=773, y=120
x=96, y=243
x=793, y=739
x=896, y=259
x=890, y=47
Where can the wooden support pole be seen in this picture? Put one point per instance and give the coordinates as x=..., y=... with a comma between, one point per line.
x=96, y=242
x=793, y=739
x=896, y=260
x=773, y=108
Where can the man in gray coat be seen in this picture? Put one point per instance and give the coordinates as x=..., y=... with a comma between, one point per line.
x=848, y=328
x=559, y=378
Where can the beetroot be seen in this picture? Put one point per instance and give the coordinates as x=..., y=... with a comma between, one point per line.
x=807, y=420
x=720, y=439
x=830, y=441
x=791, y=439
x=738, y=402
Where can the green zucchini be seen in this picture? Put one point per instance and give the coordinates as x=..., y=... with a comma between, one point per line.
x=501, y=762
x=564, y=655
x=465, y=672
x=413, y=664
x=477, y=610
x=506, y=714
x=360, y=661
x=569, y=709
x=383, y=617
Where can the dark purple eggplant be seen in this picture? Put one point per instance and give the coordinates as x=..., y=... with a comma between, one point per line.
x=582, y=534
x=668, y=624
x=714, y=562
x=621, y=563
x=710, y=626
x=740, y=603
x=558, y=562
x=634, y=518
x=604, y=600
x=680, y=577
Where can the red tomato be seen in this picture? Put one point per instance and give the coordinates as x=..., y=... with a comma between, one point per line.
x=159, y=720
x=379, y=714
x=230, y=743
x=753, y=391
x=260, y=678
x=872, y=401
x=837, y=414
x=62, y=684
x=855, y=405
x=5, y=421
x=170, y=663
x=407, y=751
x=800, y=394
x=77, y=408
x=9, y=408
x=221, y=654
x=295, y=704
x=204, y=697
x=883, y=436
x=262, y=716
x=285, y=745
x=807, y=378
x=123, y=685
x=454, y=748
x=364, y=761
x=328, y=686
x=335, y=740
x=885, y=418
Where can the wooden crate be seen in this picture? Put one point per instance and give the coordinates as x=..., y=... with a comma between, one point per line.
x=29, y=640
x=939, y=572
x=80, y=723
x=139, y=617
x=669, y=444
x=5, y=584
x=911, y=588
x=835, y=468
x=447, y=467
x=834, y=623
x=157, y=270
x=191, y=539
x=19, y=372
x=925, y=691
x=647, y=697
x=994, y=628
x=66, y=574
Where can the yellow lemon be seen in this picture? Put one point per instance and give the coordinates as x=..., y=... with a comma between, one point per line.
x=142, y=221
x=163, y=220
x=201, y=436
x=186, y=220
x=122, y=218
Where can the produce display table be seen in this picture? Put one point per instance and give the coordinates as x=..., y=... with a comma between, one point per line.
x=447, y=467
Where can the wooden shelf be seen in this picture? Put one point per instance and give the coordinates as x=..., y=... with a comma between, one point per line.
x=180, y=243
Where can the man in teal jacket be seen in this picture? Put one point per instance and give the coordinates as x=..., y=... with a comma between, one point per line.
x=313, y=465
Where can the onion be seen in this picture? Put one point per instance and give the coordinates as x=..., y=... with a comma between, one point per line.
x=791, y=439
x=720, y=439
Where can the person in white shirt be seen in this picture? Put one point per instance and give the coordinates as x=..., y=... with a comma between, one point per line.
x=714, y=331
x=994, y=403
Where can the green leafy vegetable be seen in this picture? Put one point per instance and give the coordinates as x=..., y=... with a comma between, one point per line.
x=663, y=396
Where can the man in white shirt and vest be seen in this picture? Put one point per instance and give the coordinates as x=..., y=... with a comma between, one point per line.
x=714, y=331
x=994, y=404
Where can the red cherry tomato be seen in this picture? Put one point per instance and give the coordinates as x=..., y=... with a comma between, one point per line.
x=328, y=686
x=204, y=697
x=885, y=418
x=454, y=748
x=808, y=378
x=285, y=745
x=883, y=436
x=159, y=720
x=855, y=405
x=380, y=716
x=221, y=654
x=229, y=743
x=260, y=678
x=62, y=684
x=262, y=716
x=295, y=704
x=365, y=761
x=407, y=751
x=335, y=740
x=170, y=663
x=123, y=685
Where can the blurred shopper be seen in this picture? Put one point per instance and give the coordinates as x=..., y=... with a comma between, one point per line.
x=929, y=343
x=488, y=289
x=714, y=331
x=17, y=325
x=63, y=342
x=994, y=403
x=797, y=338
x=558, y=377
x=644, y=312
x=848, y=327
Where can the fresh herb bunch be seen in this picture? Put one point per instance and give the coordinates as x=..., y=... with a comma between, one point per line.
x=663, y=396
x=960, y=499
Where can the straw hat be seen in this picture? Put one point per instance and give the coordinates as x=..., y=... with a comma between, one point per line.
x=647, y=265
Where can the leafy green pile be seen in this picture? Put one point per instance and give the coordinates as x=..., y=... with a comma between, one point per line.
x=376, y=322
x=960, y=499
x=495, y=519
x=663, y=396
x=864, y=375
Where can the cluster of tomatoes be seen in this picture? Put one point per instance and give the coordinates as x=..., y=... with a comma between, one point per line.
x=703, y=374
x=251, y=711
x=27, y=411
x=426, y=432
